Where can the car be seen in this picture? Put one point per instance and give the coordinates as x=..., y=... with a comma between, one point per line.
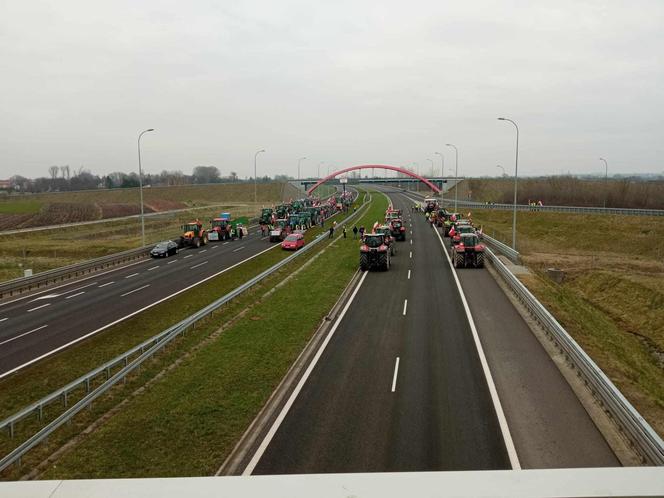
x=164, y=249
x=293, y=242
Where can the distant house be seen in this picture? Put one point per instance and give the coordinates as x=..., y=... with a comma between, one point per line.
x=5, y=184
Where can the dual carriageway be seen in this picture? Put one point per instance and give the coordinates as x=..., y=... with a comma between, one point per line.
x=425, y=368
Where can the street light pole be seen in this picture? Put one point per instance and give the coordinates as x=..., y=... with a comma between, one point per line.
x=456, y=175
x=417, y=171
x=140, y=183
x=298, y=166
x=499, y=166
x=442, y=176
x=606, y=178
x=255, y=176
x=516, y=176
x=319, y=165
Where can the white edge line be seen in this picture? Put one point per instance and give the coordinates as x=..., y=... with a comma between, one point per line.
x=500, y=414
x=286, y=408
x=130, y=315
x=394, y=377
x=21, y=335
x=135, y=290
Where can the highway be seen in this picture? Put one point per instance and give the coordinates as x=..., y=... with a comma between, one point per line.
x=38, y=325
x=415, y=377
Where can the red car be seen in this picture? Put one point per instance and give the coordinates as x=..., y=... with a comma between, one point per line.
x=294, y=241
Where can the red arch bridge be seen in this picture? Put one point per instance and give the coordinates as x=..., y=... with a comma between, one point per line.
x=404, y=171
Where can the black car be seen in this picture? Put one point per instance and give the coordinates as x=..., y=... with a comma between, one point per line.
x=164, y=249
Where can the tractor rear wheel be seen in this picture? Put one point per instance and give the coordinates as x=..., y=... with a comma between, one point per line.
x=364, y=261
x=382, y=261
x=197, y=242
x=479, y=260
x=458, y=260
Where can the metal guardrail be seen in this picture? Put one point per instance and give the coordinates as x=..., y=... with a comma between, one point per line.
x=25, y=284
x=502, y=248
x=147, y=349
x=22, y=285
x=560, y=209
x=642, y=437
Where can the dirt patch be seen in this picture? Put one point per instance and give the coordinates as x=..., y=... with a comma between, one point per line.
x=118, y=210
x=14, y=221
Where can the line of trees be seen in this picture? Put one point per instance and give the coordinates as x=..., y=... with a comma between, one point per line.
x=62, y=179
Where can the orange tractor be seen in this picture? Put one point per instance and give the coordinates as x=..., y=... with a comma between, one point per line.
x=193, y=234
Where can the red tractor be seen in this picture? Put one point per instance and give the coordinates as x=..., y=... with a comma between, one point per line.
x=468, y=252
x=374, y=252
x=389, y=240
x=458, y=230
x=398, y=230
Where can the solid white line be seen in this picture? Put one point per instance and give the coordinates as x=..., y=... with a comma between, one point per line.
x=238, y=249
x=104, y=285
x=74, y=295
x=408, y=274
x=196, y=266
x=59, y=348
x=153, y=268
x=171, y=262
x=405, y=306
x=500, y=414
x=188, y=256
x=132, y=275
x=135, y=290
x=23, y=334
x=38, y=307
x=284, y=411
x=411, y=254
x=394, y=377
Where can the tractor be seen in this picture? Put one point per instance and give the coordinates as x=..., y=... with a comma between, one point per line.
x=450, y=219
x=392, y=214
x=193, y=234
x=374, y=252
x=220, y=228
x=430, y=204
x=389, y=239
x=468, y=252
x=459, y=230
x=280, y=230
x=266, y=216
x=398, y=230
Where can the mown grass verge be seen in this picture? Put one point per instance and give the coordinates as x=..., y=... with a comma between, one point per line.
x=188, y=421
x=33, y=382
x=612, y=298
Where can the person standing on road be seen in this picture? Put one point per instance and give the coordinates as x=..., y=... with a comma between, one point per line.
x=344, y=231
x=240, y=232
x=354, y=231
x=331, y=233
x=362, y=232
x=322, y=221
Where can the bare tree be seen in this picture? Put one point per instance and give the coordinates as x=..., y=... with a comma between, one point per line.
x=53, y=171
x=64, y=171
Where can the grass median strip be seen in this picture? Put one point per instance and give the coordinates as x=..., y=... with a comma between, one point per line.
x=189, y=420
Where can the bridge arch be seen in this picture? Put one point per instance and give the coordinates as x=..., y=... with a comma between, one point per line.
x=374, y=166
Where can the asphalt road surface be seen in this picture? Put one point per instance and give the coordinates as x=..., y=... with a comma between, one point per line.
x=38, y=325
x=401, y=385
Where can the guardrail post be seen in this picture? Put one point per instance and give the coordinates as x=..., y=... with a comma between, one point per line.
x=11, y=430
x=64, y=396
x=41, y=412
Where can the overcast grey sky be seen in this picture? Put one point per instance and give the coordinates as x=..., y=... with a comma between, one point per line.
x=345, y=82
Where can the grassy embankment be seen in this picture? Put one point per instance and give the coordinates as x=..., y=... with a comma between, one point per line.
x=612, y=299
x=45, y=250
x=240, y=367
